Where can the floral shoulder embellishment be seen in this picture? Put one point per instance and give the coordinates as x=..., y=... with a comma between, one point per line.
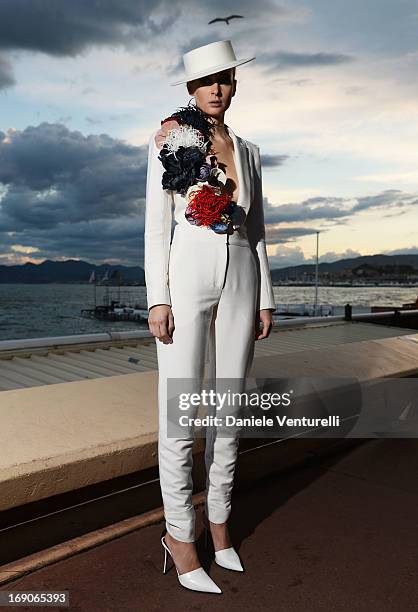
x=185, y=143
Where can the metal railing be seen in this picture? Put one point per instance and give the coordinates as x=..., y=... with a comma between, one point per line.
x=55, y=341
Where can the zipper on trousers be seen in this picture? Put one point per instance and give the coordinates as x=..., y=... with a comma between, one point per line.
x=227, y=261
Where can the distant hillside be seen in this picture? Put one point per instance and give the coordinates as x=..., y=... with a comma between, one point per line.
x=363, y=267
x=76, y=271
x=69, y=271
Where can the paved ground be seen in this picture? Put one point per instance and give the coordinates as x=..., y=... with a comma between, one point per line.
x=339, y=535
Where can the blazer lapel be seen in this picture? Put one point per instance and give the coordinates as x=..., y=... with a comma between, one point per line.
x=242, y=164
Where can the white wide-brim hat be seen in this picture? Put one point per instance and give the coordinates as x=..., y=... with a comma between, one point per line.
x=211, y=58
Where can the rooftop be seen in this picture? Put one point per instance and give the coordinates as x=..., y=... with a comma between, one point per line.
x=44, y=361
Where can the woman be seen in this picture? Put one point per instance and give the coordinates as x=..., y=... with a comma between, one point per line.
x=207, y=290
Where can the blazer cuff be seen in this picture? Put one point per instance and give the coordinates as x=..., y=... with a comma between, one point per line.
x=161, y=296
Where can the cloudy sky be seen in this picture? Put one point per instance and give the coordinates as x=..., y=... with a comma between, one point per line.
x=332, y=101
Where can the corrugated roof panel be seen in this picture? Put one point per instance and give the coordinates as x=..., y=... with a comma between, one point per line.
x=64, y=371
x=67, y=363
x=120, y=358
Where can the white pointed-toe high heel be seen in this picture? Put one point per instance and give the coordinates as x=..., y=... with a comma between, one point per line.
x=227, y=557
x=196, y=580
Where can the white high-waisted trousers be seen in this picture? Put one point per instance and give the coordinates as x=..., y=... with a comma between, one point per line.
x=213, y=288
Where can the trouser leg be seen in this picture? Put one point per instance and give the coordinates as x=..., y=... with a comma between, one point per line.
x=231, y=351
x=195, y=280
x=184, y=358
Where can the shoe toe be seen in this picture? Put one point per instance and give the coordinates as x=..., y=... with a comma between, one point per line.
x=199, y=580
x=229, y=559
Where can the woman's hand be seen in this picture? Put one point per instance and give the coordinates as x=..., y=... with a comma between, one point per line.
x=161, y=322
x=265, y=317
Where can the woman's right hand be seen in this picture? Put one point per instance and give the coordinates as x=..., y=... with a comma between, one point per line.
x=161, y=323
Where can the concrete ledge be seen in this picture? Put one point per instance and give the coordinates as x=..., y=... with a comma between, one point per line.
x=58, y=438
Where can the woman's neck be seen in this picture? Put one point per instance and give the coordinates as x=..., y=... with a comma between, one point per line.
x=220, y=128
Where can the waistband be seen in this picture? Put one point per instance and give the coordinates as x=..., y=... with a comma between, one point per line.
x=200, y=233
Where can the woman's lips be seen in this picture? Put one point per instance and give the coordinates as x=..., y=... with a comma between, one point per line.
x=216, y=103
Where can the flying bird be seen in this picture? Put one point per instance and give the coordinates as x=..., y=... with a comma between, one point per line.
x=226, y=19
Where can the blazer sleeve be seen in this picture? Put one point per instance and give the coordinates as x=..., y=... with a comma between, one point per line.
x=157, y=232
x=256, y=234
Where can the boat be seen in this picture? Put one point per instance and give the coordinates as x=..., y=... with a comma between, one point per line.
x=115, y=311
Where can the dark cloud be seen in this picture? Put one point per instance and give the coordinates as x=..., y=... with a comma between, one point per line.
x=56, y=176
x=70, y=195
x=273, y=161
x=69, y=28
x=284, y=235
x=403, y=251
x=308, y=210
x=330, y=211
x=283, y=60
x=388, y=198
x=59, y=27
x=6, y=76
x=73, y=195
x=117, y=240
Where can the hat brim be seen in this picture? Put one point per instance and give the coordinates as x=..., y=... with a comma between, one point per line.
x=213, y=69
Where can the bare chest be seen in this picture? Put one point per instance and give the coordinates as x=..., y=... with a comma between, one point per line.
x=224, y=151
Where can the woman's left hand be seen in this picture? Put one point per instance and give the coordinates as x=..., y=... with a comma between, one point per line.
x=265, y=317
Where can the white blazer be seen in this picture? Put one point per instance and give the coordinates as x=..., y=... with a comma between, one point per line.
x=159, y=215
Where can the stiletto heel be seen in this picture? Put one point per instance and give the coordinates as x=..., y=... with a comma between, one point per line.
x=165, y=561
x=227, y=557
x=195, y=580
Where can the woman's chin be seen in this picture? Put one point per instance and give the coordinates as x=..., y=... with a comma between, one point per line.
x=213, y=112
